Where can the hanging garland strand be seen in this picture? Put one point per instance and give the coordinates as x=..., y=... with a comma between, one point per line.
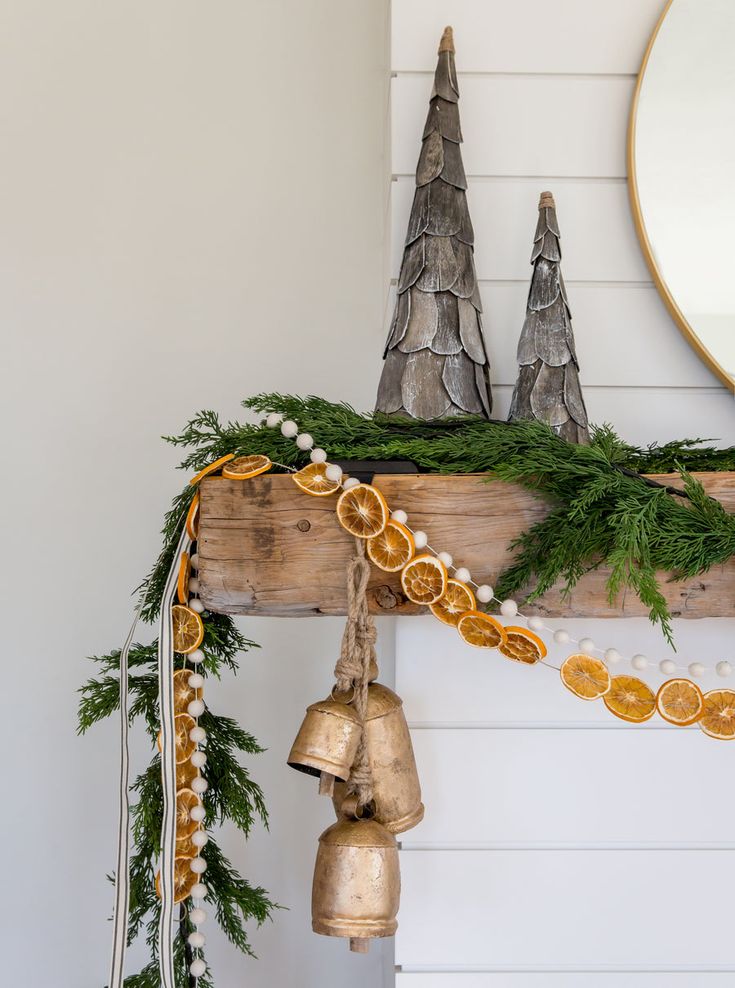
x=231, y=796
x=603, y=512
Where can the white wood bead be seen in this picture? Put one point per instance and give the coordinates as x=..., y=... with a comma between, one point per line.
x=350, y=482
x=289, y=429
x=485, y=593
x=198, y=759
x=196, y=680
x=197, y=813
x=196, y=657
x=696, y=669
x=196, y=605
x=612, y=656
x=587, y=646
x=639, y=662
x=304, y=441
x=667, y=667
x=420, y=539
x=334, y=472
x=446, y=558
x=197, y=968
x=194, y=560
x=509, y=608
x=195, y=708
x=274, y=419
x=196, y=939
x=199, y=891
x=400, y=516
x=194, y=585
x=198, y=866
x=198, y=735
x=199, y=786
x=536, y=623
x=723, y=669
x=318, y=456
x=463, y=574
x=198, y=916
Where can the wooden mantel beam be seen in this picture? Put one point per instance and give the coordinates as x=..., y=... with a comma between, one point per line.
x=266, y=548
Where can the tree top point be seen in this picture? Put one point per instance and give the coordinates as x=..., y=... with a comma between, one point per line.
x=546, y=201
x=447, y=41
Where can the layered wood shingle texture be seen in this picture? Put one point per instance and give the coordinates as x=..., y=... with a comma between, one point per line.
x=436, y=363
x=548, y=387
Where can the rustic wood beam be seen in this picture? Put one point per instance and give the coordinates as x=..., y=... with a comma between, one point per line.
x=266, y=548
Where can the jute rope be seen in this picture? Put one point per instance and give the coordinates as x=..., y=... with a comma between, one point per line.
x=352, y=669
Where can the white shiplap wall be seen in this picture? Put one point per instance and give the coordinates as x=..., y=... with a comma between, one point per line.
x=560, y=848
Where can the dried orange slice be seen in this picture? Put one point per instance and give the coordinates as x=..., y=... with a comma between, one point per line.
x=629, y=698
x=457, y=599
x=184, y=879
x=185, y=774
x=392, y=548
x=192, y=519
x=314, y=480
x=245, y=467
x=481, y=630
x=183, y=693
x=362, y=511
x=186, y=800
x=188, y=629
x=182, y=587
x=424, y=579
x=185, y=849
x=211, y=468
x=587, y=677
x=718, y=714
x=680, y=702
x=522, y=645
x=183, y=724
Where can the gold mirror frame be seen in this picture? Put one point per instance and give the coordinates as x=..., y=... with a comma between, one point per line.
x=640, y=227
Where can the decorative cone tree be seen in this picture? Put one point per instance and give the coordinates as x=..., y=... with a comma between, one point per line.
x=548, y=387
x=435, y=359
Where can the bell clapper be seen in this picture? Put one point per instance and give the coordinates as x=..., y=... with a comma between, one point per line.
x=326, y=784
x=359, y=945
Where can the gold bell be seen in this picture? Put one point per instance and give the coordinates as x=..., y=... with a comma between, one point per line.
x=395, y=780
x=357, y=882
x=327, y=741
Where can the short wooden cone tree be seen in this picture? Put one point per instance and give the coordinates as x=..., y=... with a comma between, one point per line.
x=548, y=387
x=436, y=363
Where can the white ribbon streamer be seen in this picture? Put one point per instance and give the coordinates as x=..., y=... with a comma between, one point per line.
x=122, y=871
x=168, y=768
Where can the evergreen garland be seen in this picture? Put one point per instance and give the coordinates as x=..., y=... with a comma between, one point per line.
x=603, y=513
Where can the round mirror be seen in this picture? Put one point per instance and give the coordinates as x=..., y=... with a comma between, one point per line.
x=681, y=167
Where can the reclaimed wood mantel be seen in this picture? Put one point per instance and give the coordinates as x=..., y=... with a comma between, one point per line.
x=266, y=548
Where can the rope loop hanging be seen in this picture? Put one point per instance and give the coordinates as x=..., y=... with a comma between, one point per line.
x=352, y=670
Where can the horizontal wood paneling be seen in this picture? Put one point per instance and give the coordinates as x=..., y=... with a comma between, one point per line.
x=545, y=979
x=597, y=235
x=522, y=125
x=495, y=36
x=530, y=909
x=546, y=787
x=647, y=415
x=444, y=681
x=608, y=319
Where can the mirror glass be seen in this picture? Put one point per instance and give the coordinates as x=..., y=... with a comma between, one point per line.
x=682, y=172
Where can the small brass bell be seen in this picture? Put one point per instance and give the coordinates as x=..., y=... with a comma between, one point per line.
x=395, y=780
x=357, y=882
x=327, y=740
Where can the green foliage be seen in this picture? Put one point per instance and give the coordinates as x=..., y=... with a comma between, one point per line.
x=603, y=512
x=232, y=796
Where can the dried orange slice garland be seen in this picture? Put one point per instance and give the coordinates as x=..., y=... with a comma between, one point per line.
x=364, y=513
x=586, y=677
x=522, y=645
x=680, y=702
x=392, y=548
x=457, y=599
x=313, y=480
x=424, y=579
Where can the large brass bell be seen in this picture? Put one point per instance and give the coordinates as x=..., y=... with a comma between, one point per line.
x=327, y=740
x=357, y=881
x=395, y=781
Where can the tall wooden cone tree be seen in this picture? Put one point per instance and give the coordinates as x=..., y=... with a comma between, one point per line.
x=435, y=359
x=548, y=387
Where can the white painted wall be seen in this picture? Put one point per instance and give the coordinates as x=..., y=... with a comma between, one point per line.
x=560, y=848
x=193, y=210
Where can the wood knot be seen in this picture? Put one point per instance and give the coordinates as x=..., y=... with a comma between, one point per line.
x=386, y=598
x=303, y=525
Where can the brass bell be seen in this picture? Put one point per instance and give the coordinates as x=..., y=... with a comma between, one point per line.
x=357, y=882
x=395, y=780
x=327, y=740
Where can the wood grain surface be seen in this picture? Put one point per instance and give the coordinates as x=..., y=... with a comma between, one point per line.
x=266, y=548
